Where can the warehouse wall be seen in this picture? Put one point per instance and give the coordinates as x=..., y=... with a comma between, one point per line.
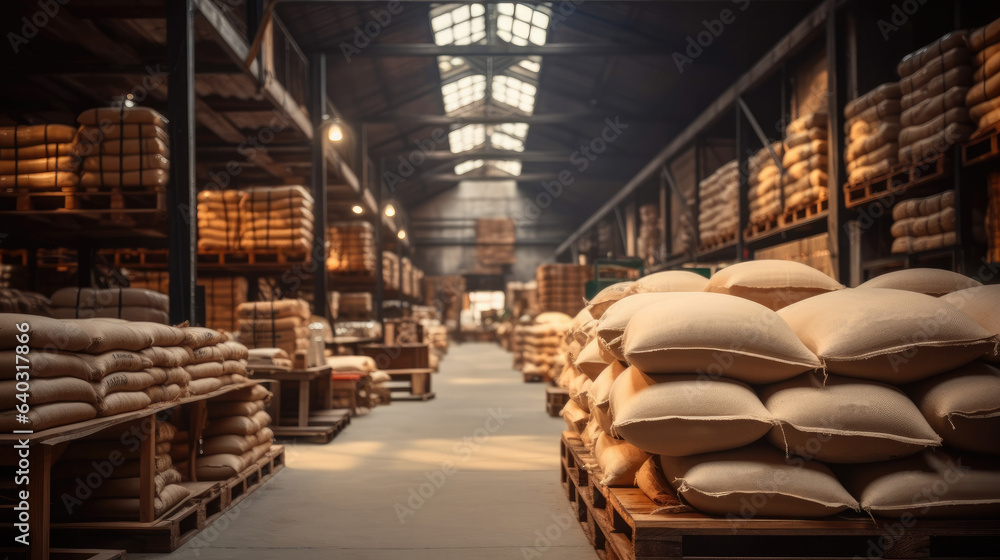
x=444, y=229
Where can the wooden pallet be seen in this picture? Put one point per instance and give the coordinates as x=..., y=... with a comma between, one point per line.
x=555, y=399
x=323, y=427
x=78, y=201
x=717, y=245
x=620, y=523
x=209, y=501
x=790, y=218
x=252, y=258
x=903, y=177
x=982, y=148
x=533, y=378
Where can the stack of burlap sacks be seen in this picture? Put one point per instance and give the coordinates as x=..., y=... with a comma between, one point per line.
x=38, y=158
x=923, y=224
x=219, y=220
x=718, y=212
x=417, y=291
x=124, y=148
x=390, y=270
x=764, y=182
x=132, y=304
x=237, y=434
x=872, y=125
x=406, y=276
x=117, y=497
x=256, y=219
x=993, y=218
x=155, y=280
x=650, y=237
x=223, y=295
x=19, y=301
x=839, y=400
x=541, y=342
x=983, y=98
x=934, y=82
x=351, y=248
x=282, y=323
x=356, y=306
x=805, y=162
x=562, y=287
x=495, y=238
x=85, y=368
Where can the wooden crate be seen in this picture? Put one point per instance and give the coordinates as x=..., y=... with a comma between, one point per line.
x=903, y=177
x=398, y=356
x=555, y=399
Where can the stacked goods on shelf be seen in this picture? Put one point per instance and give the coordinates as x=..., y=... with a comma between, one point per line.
x=934, y=82
x=522, y=298
x=390, y=270
x=983, y=98
x=872, y=126
x=519, y=343
x=124, y=148
x=495, y=238
x=542, y=343
x=217, y=360
x=277, y=219
x=418, y=283
x=38, y=158
x=356, y=307
x=993, y=218
x=237, y=434
x=562, y=287
x=155, y=280
x=351, y=248
x=223, y=294
x=219, y=220
x=279, y=323
x=718, y=215
x=832, y=392
x=30, y=303
x=406, y=276
x=923, y=224
x=84, y=368
x=132, y=304
x=804, y=179
x=764, y=181
x=650, y=236
x=117, y=497
x=268, y=358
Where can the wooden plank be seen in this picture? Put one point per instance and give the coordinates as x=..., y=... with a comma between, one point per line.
x=147, y=469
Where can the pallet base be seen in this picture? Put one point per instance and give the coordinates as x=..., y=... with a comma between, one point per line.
x=170, y=532
x=982, y=148
x=323, y=426
x=903, y=177
x=555, y=399
x=416, y=398
x=533, y=378
x=621, y=524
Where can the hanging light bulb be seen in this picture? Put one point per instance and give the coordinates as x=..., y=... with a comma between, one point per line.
x=357, y=209
x=390, y=211
x=401, y=234
x=336, y=133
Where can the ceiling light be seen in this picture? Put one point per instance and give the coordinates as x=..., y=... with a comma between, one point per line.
x=390, y=210
x=336, y=133
x=357, y=209
x=401, y=234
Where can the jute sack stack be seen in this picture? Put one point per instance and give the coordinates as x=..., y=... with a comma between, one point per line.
x=124, y=148
x=223, y=294
x=220, y=220
x=650, y=233
x=216, y=360
x=18, y=301
x=804, y=179
x=38, y=158
x=351, y=248
x=983, y=98
x=356, y=306
x=274, y=324
x=993, y=217
x=562, y=287
x=934, y=82
x=982, y=304
x=922, y=224
x=930, y=281
x=406, y=276
x=872, y=127
x=132, y=304
x=542, y=341
x=155, y=280
x=717, y=216
x=772, y=283
x=277, y=219
x=963, y=407
x=237, y=434
x=390, y=270
x=764, y=182
x=607, y=297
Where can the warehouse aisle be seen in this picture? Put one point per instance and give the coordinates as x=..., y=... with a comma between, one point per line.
x=471, y=474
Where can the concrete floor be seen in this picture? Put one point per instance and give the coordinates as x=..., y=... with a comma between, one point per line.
x=414, y=480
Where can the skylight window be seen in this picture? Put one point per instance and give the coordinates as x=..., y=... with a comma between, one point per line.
x=521, y=24
x=514, y=92
x=466, y=138
x=466, y=166
x=462, y=92
x=510, y=166
x=530, y=66
x=463, y=25
x=509, y=136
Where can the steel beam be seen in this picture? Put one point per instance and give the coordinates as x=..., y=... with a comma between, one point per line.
x=505, y=49
x=317, y=182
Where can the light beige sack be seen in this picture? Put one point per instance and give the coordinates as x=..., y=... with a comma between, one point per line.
x=717, y=335
x=590, y=361
x=846, y=420
x=892, y=336
x=756, y=481
x=772, y=283
x=599, y=394
x=46, y=390
x=931, y=281
x=619, y=461
x=575, y=417
x=43, y=333
x=669, y=281
x=982, y=304
x=607, y=297
x=611, y=327
x=963, y=407
x=690, y=414
x=654, y=485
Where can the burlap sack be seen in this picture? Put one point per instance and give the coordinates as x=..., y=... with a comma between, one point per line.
x=619, y=461
x=227, y=444
x=126, y=401
x=957, y=76
x=871, y=99
x=885, y=335
x=983, y=37
x=717, y=334
x=933, y=107
x=129, y=381
x=959, y=56
x=590, y=433
x=884, y=133
x=96, y=135
x=772, y=283
x=39, y=134
x=805, y=122
x=148, y=178
x=845, y=420
x=220, y=467
x=931, y=281
x=756, y=481
x=199, y=337
x=653, y=484
x=930, y=484
x=919, y=58
x=130, y=146
x=103, y=116
x=253, y=393
x=916, y=207
x=235, y=408
x=46, y=390
x=231, y=367
x=861, y=123
x=238, y=425
x=43, y=333
x=611, y=328
x=935, y=144
x=206, y=354
x=575, y=417
x=982, y=304
x=579, y=388
x=201, y=371
x=143, y=314
x=984, y=108
x=277, y=309
x=171, y=356
x=233, y=350
x=806, y=136
x=589, y=361
x=115, y=163
x=112, y=334
x=607, y=297
x=41, y=165
x=913, y=134
x=205, y=386
x=963, y=407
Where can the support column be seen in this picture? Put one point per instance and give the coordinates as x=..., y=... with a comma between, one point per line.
x=840, y=238
x=317, y=108
x=742, y=252
x=379, y=242
x=182, y=207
